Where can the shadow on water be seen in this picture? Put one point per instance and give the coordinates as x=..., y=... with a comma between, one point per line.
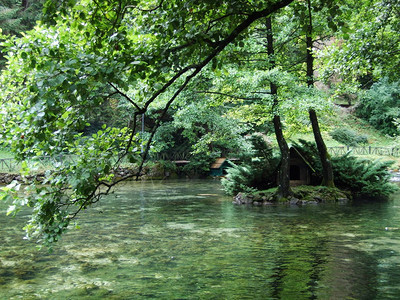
x=186, y=240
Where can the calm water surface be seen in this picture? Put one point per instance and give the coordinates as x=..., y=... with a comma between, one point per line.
x=186, y=240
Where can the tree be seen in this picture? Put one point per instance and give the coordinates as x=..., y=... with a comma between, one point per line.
x=95, y=51
x=367, y=48
x=283, y=175
x=327, y=170
x=17, y=17
x=380, y=106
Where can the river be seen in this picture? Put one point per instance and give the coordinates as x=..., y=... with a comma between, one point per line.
x=186, y=240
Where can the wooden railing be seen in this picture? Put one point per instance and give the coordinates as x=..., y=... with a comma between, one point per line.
x=181, y=155
x=368, y=150
x=10, y=165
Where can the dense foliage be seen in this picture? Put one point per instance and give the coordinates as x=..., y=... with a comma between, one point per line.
x=365, y=179
x=380, y=106
x=18, y=16
x=368, y=47
x=256, y=171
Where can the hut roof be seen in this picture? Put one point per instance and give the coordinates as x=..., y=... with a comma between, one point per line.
x=218, y=163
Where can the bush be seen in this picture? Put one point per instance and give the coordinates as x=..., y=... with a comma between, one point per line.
x=348, y=137
x=238, y=179
x=258, y=171
x=362, y=177
x=380, y=106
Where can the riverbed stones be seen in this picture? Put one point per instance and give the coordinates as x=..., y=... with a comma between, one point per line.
x=7, y=178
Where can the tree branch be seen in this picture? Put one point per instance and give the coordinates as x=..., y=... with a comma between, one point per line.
x=126, y=97
x=227, y=95
x=145, y=10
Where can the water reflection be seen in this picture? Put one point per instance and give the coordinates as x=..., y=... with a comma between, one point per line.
x=185, y=240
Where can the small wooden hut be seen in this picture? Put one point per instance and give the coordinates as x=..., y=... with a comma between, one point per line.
x=300, y=170
x=219, y=166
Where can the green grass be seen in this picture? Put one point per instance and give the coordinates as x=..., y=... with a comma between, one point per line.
x=343, y=118
x=5, y=154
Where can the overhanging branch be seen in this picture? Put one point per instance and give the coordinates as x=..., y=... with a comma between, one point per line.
x=228, y=95
x=126, y=97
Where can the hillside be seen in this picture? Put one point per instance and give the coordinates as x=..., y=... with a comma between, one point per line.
x=345, y=118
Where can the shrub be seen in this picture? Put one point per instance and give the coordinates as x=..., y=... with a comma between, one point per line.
x=380, y=106
x=238, y=179
x=199, y=165
x=362, y=177
x=348, y=137
x=258, y=171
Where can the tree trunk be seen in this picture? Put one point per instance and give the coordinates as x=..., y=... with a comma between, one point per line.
x=284, y=190
x=25, y=4
x=327, y=170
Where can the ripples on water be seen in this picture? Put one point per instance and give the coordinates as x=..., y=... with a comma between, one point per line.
x=186, y=240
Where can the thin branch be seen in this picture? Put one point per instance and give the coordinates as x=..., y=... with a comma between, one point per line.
x=212, y=23
x=143, y=9
x=168, y=84
x=126, y=97
x=227, y=95
x=135, y=115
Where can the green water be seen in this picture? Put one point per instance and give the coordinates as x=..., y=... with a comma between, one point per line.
x=186, y=240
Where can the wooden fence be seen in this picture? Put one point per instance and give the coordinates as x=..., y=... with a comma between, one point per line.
x=179, y=155
x=10, y=165
x=369, y=150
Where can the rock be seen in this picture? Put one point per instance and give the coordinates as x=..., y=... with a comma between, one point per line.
x=313, y=202
x=318, y=199
x=239, y=199
x=294, y=201
x=343, y=200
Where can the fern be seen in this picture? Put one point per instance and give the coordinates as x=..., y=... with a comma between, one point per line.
x=364, y=178
x=238, y=179
x=257, y=172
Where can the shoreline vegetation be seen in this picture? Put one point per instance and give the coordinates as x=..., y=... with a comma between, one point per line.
x=302, y=194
